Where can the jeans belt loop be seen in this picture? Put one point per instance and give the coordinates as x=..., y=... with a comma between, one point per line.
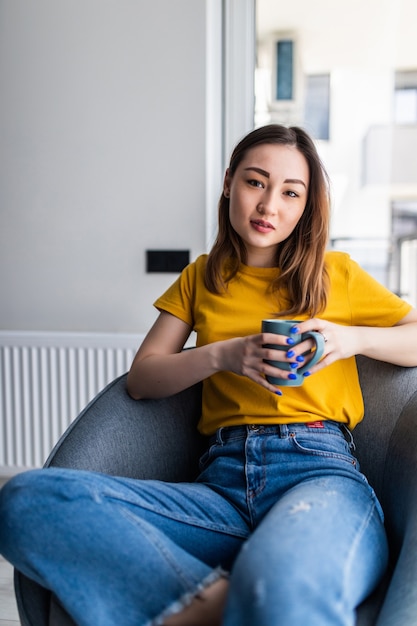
x=219, y=438
x=283, y=431
x=348, y=436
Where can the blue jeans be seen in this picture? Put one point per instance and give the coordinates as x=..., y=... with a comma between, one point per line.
x=283, y=509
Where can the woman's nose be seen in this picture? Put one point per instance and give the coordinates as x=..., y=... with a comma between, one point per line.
x=267, y=206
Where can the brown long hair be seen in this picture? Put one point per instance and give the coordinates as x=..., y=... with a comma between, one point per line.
x=301, y=272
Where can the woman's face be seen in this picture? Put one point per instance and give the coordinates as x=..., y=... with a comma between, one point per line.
x=268, y=193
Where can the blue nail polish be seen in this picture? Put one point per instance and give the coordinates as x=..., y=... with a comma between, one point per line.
x=293, y=365
x=293, y=376
x=300, y=358
x=278, y=392
x=290, y=354
x=290, y=341
x=294, y=330
x=307, y=374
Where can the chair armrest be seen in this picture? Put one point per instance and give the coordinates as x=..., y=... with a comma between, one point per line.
x=120, y=436
x=386, y=390
x=400, y=505
x=117, y=435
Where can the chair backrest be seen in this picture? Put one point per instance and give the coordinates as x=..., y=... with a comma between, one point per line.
x=158, y=438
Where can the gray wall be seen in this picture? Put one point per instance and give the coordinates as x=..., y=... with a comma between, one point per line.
x=102, y=155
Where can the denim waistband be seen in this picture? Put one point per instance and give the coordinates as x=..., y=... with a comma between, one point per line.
x=226, y=433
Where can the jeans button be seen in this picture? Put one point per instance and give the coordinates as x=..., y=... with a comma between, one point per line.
x=253, y=427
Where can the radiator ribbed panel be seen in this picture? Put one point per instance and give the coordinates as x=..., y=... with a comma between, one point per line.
x=46, y=379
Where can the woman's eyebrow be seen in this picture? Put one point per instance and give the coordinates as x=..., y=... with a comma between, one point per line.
x=295, y=181
x=259, y=170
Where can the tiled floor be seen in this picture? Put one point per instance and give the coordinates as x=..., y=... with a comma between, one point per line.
x=8, y=609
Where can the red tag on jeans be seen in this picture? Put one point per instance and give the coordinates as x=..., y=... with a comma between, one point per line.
x=317, y=424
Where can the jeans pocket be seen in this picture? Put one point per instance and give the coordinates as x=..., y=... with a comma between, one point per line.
x=330, y=445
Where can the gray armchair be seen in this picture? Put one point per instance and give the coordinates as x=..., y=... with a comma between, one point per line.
x=158, y=439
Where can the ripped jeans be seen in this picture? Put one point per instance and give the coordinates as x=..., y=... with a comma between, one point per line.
x=284, y=509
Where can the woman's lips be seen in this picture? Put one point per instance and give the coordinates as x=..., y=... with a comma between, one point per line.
x=261, y=226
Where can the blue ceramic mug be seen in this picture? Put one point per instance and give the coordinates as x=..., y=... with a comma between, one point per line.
x=283, y=327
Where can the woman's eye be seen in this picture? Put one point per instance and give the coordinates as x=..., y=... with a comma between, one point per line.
x=292, y=194
x=256, y=183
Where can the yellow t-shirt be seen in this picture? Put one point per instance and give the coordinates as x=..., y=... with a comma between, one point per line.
x=355, y=299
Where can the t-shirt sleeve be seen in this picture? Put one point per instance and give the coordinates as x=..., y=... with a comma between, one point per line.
x=371, y=303
x=178, y=299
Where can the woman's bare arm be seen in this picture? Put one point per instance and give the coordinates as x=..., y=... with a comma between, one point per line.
x=396, y=344
x=162, y=368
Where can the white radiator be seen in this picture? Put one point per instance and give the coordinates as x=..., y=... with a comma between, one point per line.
x=45, y=380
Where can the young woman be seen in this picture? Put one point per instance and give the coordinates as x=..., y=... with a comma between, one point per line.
x=280, y=527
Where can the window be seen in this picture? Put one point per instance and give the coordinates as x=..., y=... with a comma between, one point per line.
x=405, y=97
x=403, y=278
x=285, y=62
x=317, y=105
